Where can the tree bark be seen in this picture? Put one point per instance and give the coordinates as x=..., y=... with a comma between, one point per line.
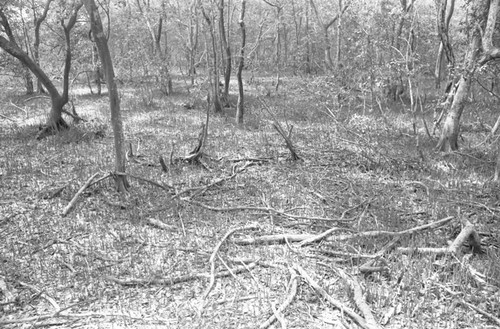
x=449, y=135
x=445, y=44
x=193, y=38
x=215, y=99
x=36, y=43
x=226, y=58
x=114, y=100
x=240, y=107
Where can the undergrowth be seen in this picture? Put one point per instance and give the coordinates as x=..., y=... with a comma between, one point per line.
x=376, y=173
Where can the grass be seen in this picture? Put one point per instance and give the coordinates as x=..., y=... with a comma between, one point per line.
x=353, y=164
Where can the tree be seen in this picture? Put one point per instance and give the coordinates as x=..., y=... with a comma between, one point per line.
x=165, y=77
x=214, y=81
x=477, y=18
x=443, y=24
x=10, y=45
x=114, y=100
x=226, y=55
x=38, y=20
x=240, y=107
x=325, y=27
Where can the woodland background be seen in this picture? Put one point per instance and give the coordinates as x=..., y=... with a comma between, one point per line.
x=249, y=163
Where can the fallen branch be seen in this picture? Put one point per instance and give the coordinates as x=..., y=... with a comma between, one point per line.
x=486, y=314
x=75, y=198
x=337, y=304
x=288, y=141
x=318, y=237
x=467, y=234
x=159, y=224
x=216, y=250
x=201, y=189
x=288, y=300
x=369, y=267
x=86, y=315
x=169, y=281
x=359, y=300
x=6, y=117
x=390, y=233
x=263, y=210
x=163, y=187
x=273, y=239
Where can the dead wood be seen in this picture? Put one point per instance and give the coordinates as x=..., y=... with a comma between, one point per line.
x=292, y=292
x=318, y=237
x=369, y=266
x=486, y=314
x=337, y=304
x=288, y=141
x=273, y=239
x=164, y=187
x=164, y=167
x=75, y=198
x=169, y=281
x=216, y=250
x=358, y=299
x=6, y=117
x=159, y=224
x=467, y=234
x=201, y=189
x=263, y=210
x=390, y=233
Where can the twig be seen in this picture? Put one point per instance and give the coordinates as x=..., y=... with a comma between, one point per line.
x=163, y=187
x=158, y=223
x=486, y=314
x=42, y=294
x=264, y=210
x=168, y=281
x=288, y=300
x=216, y=250
x=318, y=237
x=390, y=233
x=101, y=179
x=201, y=189
x=75, y=198
x=6, y=117
x=344, y=309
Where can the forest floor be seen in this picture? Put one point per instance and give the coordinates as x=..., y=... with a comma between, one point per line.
x=247, y=233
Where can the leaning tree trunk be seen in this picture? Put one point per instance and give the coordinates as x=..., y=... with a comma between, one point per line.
x=114, y=101
x=240, y=105
x=449, y=135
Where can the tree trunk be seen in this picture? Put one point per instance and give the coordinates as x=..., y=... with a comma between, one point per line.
x=240, y=108
x=114, y=100
x=193, y=39
x=36, y=43
x=443, y=22
x=216, y=106
x=339, y=37
x=28, y=80
x=449, y=135
x=227, y=51
x=326, y=27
